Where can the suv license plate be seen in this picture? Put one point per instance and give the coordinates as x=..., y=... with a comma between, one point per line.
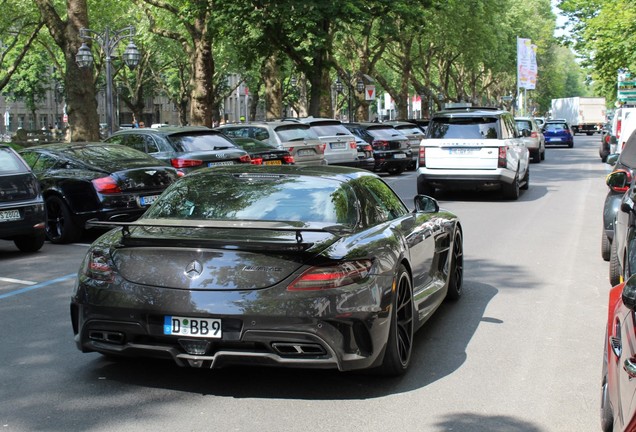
x=147, y=200
x=193, y=327
x=305, y=152
x=211, y=164
x=9, y=215
x=399, y=156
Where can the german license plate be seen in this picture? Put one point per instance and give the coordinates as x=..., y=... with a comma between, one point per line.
x=337, y=146
x=399, y=156
x=555, y=139
x=211, y=164
x=147, y=200
x=305, y=152
x=9, y=215
x=272, y=162
x=193, y=327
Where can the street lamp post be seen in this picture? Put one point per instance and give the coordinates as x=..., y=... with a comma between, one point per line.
x=108, y=41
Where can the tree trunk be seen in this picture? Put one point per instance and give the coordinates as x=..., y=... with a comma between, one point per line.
x=81, y=103
x=202, y=74
x=273, y=89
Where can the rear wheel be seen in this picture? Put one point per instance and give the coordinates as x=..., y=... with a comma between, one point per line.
x=526, y=179
x=614, y=266
x=606, y=246
x=399, y=347
x=607, y=417
x=395, y=170
x=30, y=243
x=511, y=191
x=60, y=227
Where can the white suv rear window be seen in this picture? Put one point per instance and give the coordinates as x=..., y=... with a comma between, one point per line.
x=464, y=128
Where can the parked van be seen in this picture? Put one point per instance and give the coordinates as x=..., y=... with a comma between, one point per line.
x=624, y=119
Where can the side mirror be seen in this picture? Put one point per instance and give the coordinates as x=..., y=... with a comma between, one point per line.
x=425, y=204
x=619, y=180
x=629, y=293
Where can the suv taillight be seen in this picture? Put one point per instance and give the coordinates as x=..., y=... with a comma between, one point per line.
x=618, y=128
x=502, y=160
x=380, y=145
x=422, y=156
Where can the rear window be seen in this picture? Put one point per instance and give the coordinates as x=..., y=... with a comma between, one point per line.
x=203, y=141
x=464, y=128
x=411, y=130
x=258, y=197
x=384, y=133
x=11, y=162
x=555, y=127
x=524, y=124
x=295, y=133
x=333, y=129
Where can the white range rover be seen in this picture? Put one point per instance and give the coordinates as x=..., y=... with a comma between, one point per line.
x=473, y=148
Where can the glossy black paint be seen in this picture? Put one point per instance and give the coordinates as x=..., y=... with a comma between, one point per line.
x=20, y=192
x=68, y=173
x=247, y=268
x=396, y=158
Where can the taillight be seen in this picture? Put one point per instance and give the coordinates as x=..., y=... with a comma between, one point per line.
x=368, y=148
x=106, y=185
x=353, y=145
x=322, y=147
x=380, y=145
x=502, y=160
x=257, y=161
x=98, y=266
x=185, y=163
x=618, y=128
x=288, y=159
x=335, y=276
x=245, y=159
x=180, y=173
x=534, y=134
x=422, y=156
x=607, y=139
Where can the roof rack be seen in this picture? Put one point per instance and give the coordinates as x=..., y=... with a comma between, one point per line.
x=476, y=108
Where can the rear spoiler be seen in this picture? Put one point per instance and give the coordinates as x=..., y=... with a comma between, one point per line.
x=297, y=227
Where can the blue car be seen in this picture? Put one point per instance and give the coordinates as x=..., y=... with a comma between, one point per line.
x=558, y=132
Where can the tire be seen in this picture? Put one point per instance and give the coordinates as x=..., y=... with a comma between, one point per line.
x=424, y=188
x=614, y=266
x=606, y=246
x=570, y=145
x=526, y=180
x=60, y=227
x=456, y=276
x=607, y=416
x=536, y=157
x=543, y=155
x=395, y=171
x=511, y=191
x=399, y=346
x=30, y=243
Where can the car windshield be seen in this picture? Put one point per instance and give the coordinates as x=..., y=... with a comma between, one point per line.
x=257, y=197
x=295, y=133
x=555, y=127
x=326, y=129
x=10, y=162
x=200, y=141
x=463, y=127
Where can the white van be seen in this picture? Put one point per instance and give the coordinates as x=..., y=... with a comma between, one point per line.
x=623, y=124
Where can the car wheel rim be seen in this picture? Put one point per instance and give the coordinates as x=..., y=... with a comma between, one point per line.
x=404, y=319
x=458, y=263
x=54, y=219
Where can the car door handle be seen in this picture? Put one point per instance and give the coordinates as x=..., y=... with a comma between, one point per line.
x=630, y=367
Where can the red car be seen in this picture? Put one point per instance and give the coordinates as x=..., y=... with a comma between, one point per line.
x=618, y=386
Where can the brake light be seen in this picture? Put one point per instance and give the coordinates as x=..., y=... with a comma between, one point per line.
x=322, y=147
x=98, y=266
x=353, y=145
x=185, y=163
x=245, y=159
x=619, y=123
x=380, y=145
x=534, y=134
x=422, y=156
x=607, y=139
x=502, y=160
x=257, y=161
x=335, y=276
x=106, y=185
x=288, y=159
x=368, y=148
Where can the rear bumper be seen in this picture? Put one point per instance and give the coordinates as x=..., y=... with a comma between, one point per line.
x=465, y=179
x=31, y=224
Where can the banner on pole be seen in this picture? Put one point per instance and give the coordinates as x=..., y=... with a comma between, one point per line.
x=526, y=64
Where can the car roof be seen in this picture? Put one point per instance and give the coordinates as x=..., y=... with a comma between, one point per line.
x=469, y=112
x=166, y=130
x=341, y=173
x=274, y=124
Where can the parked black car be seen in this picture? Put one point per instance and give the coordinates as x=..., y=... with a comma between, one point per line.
x=83, y=181
x=22, y=213
x=263, y=153
x=186, y=148
x=301, y=266
x=391, y=149
x=624, y=162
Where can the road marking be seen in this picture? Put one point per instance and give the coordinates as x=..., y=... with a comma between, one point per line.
x=18, y=281
x=38, y=286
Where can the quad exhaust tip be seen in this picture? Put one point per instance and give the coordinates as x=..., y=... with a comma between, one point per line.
x=106, y=336
x=298, y=349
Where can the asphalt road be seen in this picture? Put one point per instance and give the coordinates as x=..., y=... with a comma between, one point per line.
x=521, y=351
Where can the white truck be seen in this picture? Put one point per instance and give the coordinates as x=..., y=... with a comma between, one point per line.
x=583, y=114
